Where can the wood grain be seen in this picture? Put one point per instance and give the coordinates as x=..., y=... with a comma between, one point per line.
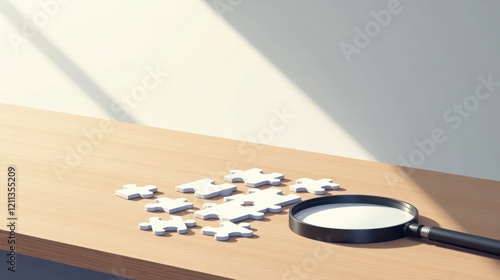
x=75, y=218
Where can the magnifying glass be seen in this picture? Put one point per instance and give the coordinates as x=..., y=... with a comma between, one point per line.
x=369, y=219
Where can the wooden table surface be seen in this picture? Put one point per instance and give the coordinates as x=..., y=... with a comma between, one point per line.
x=68, y=168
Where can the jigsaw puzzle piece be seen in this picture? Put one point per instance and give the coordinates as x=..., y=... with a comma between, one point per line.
x=169, y=205
x=159, y=226
x=269, y=200
x=233, y=211
x=206, y=188
x=314, y=186
x=228, y=229
x=248, y=206
x=130, y=191
x=254, y=177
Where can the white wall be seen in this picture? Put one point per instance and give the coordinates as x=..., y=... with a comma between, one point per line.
x=235, y=67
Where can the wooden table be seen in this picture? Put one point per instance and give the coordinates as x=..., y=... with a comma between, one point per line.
x=68, y=168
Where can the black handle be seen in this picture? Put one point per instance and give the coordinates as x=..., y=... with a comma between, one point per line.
x=455, y=238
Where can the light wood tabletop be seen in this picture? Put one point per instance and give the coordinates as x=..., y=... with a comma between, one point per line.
x=68, y=168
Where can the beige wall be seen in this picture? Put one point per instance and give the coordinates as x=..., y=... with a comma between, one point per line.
x=305, y=75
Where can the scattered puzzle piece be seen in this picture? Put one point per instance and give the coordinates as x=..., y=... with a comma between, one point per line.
x=254, y=177
x=205, y=188
x=228, y=229
x=250, y=206
x=175, y=223
x=314, y=186
x=229, y=211
x=169, y=205
x=130, y=191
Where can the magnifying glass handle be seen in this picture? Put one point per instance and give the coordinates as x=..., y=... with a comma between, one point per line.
x=455, y=238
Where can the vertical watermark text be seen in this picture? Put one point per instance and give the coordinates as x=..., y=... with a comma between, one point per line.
x=12, y=225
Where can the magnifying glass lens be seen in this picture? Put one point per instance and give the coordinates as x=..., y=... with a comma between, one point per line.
x=352, y=216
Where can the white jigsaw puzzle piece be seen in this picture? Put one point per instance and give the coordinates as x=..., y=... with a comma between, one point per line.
x=229, y=211
x=254, y=177
x=169, y=205
x=175, y=223
x=272, y=199
x=228, y=229
x=205, y=188
x=250, y=206
x=314, y=186
x=130, y=191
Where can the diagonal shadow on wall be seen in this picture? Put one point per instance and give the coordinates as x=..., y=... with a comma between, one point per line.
x=301, y=39
x=65, y=64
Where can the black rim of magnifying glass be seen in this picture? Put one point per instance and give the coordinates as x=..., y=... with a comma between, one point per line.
x=351, y=235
